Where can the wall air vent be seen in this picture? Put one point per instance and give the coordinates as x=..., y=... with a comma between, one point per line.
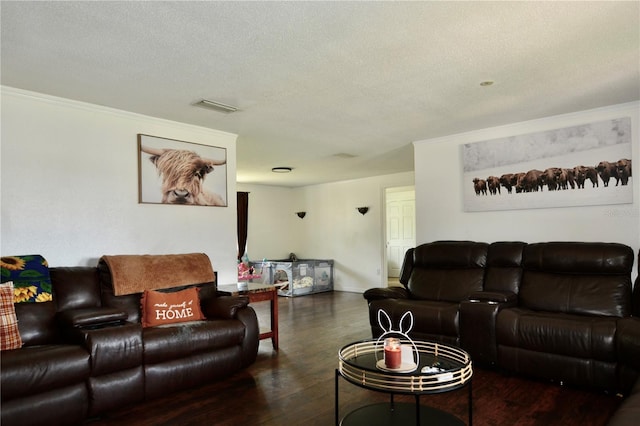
x=216, y=106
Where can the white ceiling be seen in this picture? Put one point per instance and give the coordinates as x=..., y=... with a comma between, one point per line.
x=336, y=90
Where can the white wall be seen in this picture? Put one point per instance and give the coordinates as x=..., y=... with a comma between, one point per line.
x=69, y=191
x=273, y=228
x=439, y=186
x=69, y=186
x=332, y=228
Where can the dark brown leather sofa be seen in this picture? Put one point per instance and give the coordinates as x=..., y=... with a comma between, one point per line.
x=628, y=349
x=86, y=352
x=550, y=310
x=563, y=328
x=437, y=277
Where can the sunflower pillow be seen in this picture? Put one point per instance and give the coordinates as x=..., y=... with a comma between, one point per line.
x=30, y=276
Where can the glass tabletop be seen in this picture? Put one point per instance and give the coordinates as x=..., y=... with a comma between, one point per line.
x=245, y=287
x=439, y=367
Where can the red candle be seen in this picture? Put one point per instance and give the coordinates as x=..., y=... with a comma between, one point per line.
x=392, y=353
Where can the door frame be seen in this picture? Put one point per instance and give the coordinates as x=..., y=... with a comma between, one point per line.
x=385, y=267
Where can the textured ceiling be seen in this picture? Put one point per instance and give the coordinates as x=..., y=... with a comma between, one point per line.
x=336, y=90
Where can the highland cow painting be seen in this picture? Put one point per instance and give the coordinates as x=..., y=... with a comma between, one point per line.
x=588, y=164
x=183, y=173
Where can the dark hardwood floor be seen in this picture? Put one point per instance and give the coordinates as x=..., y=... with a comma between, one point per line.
x=295, y=385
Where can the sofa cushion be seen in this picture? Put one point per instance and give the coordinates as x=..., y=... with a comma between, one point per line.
x=429, y=317
x=75, y=287
x=36, y=369
x=167, y=342
x=577, y=336
x=586, y=295
x=170, y=307
x=578, y=278
x=504, y=266
x=443, y=285
x=60, y=407
x=9, y=333
x=579, y=257
x=191, y=371
x=36, y=322
x=447, y=270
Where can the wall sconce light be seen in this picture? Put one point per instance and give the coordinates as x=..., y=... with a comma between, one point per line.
x=301, y=215
x=281, y=169
x=363, y=210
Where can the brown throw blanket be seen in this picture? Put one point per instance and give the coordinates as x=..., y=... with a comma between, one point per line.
x=136, y=273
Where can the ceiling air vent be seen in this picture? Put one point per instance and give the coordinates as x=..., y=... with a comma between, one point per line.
x=216, y=106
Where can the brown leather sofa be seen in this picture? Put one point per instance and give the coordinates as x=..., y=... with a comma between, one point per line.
x=628, y=341
x=628, y=348
x=86, y=352
x=550, y=310
x=571, y=297
x=437, y=277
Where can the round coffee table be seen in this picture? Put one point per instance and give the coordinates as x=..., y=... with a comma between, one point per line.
x=440, y=368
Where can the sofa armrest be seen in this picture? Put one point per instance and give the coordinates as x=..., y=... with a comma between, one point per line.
x=628, y=341
x=494, y=297
x=225, y=307
x=90, y=317
x=628, y=351
x=113, y=348
x=386, y=293
x=478, y=323
x=635, y=300
x=249, y=347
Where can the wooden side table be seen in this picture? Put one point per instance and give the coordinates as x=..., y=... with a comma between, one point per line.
x=257, y=292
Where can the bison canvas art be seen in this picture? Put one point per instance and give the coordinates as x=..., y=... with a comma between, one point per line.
x=588, y=164
x=175, y=172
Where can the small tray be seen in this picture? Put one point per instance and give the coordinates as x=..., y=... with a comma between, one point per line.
x=405, y=367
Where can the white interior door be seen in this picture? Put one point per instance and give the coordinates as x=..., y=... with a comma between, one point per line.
x=401, y=228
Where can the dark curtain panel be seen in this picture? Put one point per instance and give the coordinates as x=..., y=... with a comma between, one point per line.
x=243, y=216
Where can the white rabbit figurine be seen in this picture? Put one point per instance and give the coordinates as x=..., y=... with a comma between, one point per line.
x=385, y=324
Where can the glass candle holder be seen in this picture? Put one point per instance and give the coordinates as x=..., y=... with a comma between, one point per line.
x=392, y=352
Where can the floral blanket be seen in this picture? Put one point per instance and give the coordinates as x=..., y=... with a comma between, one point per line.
x=30, y=277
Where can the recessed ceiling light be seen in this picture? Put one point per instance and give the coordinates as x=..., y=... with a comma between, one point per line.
x=216, y=106
x=281, y=169
x=343, y=155
x=486, y=83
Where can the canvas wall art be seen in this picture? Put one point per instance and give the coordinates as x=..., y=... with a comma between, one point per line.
x=184, y=173
x=588, y=164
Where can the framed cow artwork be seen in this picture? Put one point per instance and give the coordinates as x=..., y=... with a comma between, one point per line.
x=588, y=164
x=183, y=173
